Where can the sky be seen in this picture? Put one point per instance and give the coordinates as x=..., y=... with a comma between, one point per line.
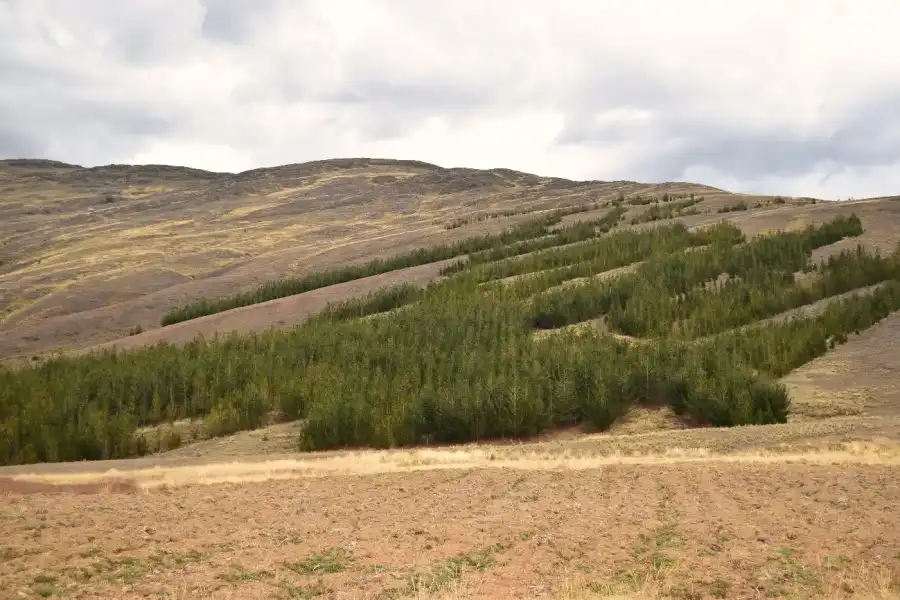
x=798, y=97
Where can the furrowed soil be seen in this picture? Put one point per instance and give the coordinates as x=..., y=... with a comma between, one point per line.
x=502, y=522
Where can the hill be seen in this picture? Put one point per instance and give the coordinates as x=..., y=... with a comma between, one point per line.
x=614, y=380
x=89, y=255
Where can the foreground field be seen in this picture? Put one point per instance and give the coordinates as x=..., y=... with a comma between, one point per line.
x=551, y=520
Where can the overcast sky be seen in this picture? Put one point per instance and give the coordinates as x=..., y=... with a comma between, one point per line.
x=800, y=97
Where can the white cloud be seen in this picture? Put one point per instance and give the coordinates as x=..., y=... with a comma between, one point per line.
x=212, y=157
x=825, y=180
x=765, y=95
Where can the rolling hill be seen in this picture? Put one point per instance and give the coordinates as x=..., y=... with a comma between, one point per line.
x=88, y=255
x=672, y=355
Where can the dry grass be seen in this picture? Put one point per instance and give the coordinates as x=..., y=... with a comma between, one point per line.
x=863, y=582
x=861, y=376
x=518, y=457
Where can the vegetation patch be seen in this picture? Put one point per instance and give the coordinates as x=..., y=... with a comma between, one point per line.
x=332, y=560
x=460, y=361
x=512, y=212
x=536, y=227
x=678, y=208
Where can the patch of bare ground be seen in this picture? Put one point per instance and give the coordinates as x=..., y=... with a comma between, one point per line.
x=280, y=313
x=604, y=276
x=801, y=312
x=880, y=219
x=473, y=524
x=583, y=216
x=278, y=439
x=816, y=308
x=647, y=419
x=860, y=375
x=596, y=325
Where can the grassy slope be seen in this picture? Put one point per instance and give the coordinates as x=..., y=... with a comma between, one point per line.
x=88, y=255
x=398, y=387
x=756, y=215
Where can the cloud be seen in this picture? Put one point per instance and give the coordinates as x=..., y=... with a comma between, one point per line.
x=762, y=96
x=235, y=21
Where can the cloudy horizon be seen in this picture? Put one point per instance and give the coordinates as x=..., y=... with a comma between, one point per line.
x=797, y=98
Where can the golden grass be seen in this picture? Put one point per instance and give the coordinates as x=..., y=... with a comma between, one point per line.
x=499, y=457
x=144, y=191
x=862, y=581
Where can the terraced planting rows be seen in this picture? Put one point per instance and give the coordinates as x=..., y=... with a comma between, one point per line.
x=460, y=361
x=528, y=230
x=537, y=233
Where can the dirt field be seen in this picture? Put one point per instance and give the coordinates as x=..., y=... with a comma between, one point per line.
x=507, y=522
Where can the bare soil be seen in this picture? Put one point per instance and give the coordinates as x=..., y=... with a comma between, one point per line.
x=688, y=525
x=280, y=313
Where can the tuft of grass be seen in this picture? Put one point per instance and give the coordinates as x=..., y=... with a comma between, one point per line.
x=652, y=549
x=45, y=579
x=239, y=574
x=304, y=592
x=796, y=572
x=446, y=574
x=719, y=588
x=90, y=553
x=332, y=560
x=129, y=570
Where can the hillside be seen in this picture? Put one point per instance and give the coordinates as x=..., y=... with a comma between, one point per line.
x=612, y=381
x=88, y=255
x=694, y=270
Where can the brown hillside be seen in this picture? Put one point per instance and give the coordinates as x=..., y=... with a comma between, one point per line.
x=88, y=254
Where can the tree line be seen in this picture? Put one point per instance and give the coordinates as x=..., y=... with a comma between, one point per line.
x=669, y=285
x=280, y=288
